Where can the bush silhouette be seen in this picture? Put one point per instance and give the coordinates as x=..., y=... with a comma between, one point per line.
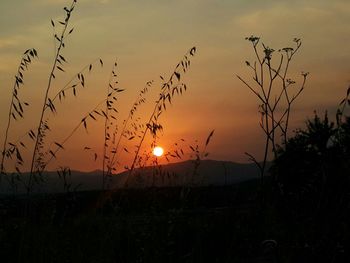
x=311, y=171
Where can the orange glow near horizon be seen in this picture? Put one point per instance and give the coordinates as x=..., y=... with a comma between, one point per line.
x=149, y=39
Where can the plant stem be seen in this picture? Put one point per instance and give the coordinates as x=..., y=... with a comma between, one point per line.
x=39, y=130
x=6, y=134
x=25, y=61
x=106, y=127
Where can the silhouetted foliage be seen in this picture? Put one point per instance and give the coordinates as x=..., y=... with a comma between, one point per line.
x=312, y=169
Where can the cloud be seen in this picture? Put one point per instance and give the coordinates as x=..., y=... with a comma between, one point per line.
x=9, y=42
x=283, y=18
x=52, y=2
x=67, y=2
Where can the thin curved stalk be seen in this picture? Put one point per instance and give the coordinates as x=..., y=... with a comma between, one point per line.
x=163, y=95
x=122, y=132
x=39, y=134
x=25, y=61
x=106, y=126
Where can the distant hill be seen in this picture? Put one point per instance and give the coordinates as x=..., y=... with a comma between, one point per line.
x=209, y=172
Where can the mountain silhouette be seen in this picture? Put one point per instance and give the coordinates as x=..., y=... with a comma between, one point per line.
x=205, y=173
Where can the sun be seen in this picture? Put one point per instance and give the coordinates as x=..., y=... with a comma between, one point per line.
x=158, y=151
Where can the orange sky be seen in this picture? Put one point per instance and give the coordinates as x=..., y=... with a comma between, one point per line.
x=149, y=38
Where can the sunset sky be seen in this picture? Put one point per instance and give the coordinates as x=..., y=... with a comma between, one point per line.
x=148, y=38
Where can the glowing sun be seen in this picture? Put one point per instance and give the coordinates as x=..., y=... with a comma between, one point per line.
x=158, y=151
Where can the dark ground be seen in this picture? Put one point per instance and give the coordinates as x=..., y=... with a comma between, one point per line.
x=207, y=224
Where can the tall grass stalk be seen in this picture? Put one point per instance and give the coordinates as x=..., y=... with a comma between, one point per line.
x=109, y=112
x=93, y=114
x=16, y=109
x=342, y=106
x=47, y=103
x=168, y=90
x=123, y=133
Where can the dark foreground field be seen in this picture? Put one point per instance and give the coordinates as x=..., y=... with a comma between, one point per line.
x=179, y=224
